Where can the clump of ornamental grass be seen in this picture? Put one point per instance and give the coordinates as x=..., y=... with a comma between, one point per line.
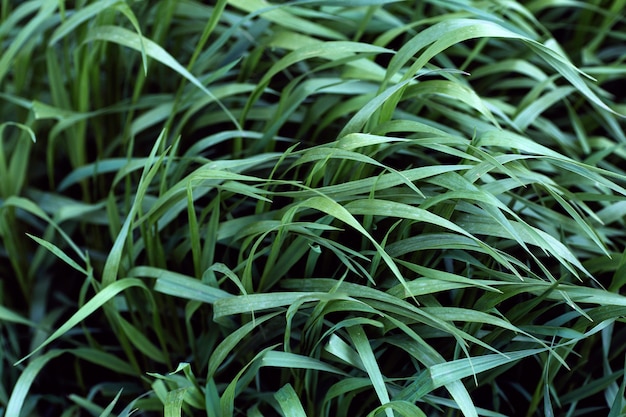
x=312, y=208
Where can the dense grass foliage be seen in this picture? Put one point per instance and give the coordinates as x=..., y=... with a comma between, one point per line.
x=312, y=208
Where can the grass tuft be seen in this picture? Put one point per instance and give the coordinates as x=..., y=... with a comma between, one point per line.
x=312, y=208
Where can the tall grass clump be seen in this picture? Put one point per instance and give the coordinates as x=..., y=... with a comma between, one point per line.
x=312, y=208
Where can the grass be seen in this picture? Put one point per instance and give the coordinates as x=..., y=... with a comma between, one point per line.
x=312, y=208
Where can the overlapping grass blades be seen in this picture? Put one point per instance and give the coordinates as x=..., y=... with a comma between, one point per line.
x=312, y=208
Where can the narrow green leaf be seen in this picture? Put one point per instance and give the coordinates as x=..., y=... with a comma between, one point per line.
x=109, y=408
x=363, y=347
x=403, y=408
x=280, y=15
x=24, y=382
x=289, y=402
x=8, y=315
x=618, y=405
x=112, y=265
x=58, y=253
x=174, y=403
x=356, y=123
x=294, y=361
x=445, y=373
x=179, y=285
x=230, y=342
x=106, y=294
x=259, y=302
x=104, y=359
x=141, y=342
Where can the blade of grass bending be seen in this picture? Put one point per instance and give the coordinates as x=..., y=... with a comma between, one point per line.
x=248, y=303
x=569, y=71
x=401, y=210
x=445, y=277
x=528, y=115
x=453, y=31
x=289, y=402
x=440, y=37
x=341, y=153
x=427, y=355
x=179, y=285
x=123, y=8
x=134, y=41
x=91, y=11
x=454, y=90
x=363, y=347
x=280, y=15
x=441, y=374
x=58, y=253
x=227, y=401
x=332, y=50
x=32, y=208
x=11, y=20
x=28, y=375
x=586, y=228
x=445, y=373
x=189, y=288
x=359, y=120
x=340, y=349
x=338, y=211
x=404, y=408
x=289, y=360
x=377, y=183
x=79, y=16
x=230, y=342
x=106, y=294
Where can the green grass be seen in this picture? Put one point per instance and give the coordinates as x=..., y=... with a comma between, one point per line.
x=312, y=208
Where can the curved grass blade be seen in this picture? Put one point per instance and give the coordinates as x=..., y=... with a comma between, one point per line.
x=23, y=384
x=356, y=123
x=280, y=15
x=294, y=361
x=449, y=32
x=106, y=294
x=59, y=253
x=137, y=42
x=82, y=15
x=403, y=408
x=179, y=285
x=230, y=342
